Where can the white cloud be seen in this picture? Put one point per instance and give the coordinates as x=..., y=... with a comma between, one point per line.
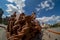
x=18, y=8
x=38, y=9
x=3, y=16
x=47, y=5
x=11, y=8
x=44, y=4
x=8, y=15
x=58, y=20
x=10, y=1
x=47, y=19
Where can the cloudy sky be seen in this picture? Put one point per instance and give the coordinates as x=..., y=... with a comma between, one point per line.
x=47, y=11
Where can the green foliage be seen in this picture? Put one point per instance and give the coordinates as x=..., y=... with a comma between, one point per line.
x=4, y=21
x=1, y=13
x=55, y=25
x=0, y=20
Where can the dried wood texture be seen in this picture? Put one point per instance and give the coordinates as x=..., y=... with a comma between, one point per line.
x=23, y=28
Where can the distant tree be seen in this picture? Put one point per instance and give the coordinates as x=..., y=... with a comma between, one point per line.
x=56, y=25
x=5, y=20
x=1, y=13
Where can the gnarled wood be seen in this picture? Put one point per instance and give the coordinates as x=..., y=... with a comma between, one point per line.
x=23, y=28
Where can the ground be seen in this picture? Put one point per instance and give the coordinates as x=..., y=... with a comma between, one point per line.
x=46, y=35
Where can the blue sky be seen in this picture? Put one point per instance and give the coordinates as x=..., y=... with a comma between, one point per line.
x=31, y=5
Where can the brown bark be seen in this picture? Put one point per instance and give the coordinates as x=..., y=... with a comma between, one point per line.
x=24, y=28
